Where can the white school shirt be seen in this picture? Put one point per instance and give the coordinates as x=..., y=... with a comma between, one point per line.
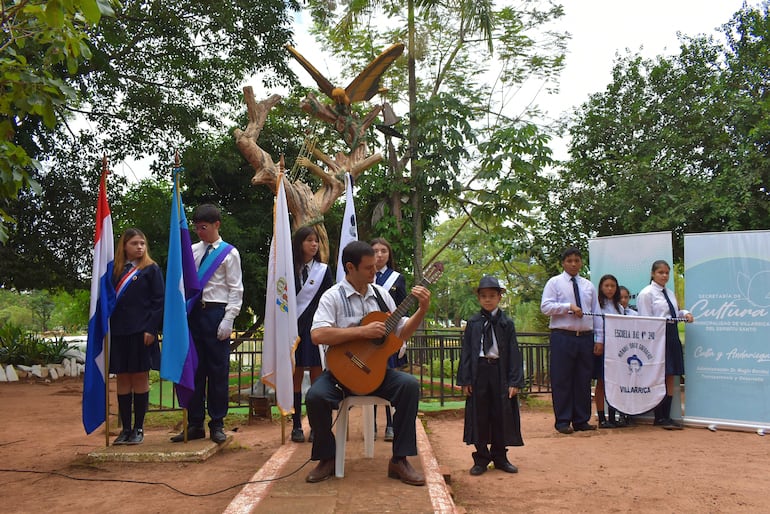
x=226, y=284
x=651, y=302
x=558, y=294
x=341, y=306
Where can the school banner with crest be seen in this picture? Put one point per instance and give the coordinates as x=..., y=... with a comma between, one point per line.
x=634, y=362
x=727, y=349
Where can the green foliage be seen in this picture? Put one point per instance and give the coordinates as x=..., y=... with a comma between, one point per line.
x=159, y=76
x=41, y=40
x=674, y=143
x=13, y=311
x=18, y=346
x=71, y=311
x=457, y=120
x=473, y=253
x=40, y=310
x=449, y=367
x=529, y=318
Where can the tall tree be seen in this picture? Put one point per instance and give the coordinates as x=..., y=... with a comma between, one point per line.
x=457, y=89
x=43, y=43
x=159, y=76
x=674, y=143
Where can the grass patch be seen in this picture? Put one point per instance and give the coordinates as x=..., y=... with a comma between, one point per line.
x=435, y=406
x=538, y=402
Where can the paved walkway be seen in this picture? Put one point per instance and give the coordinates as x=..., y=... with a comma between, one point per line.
x=280, y=485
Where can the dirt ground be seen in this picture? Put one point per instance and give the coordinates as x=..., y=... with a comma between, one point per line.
x=643, y=468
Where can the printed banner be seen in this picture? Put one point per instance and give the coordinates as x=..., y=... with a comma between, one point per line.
x=727, y=351
x=634, y=362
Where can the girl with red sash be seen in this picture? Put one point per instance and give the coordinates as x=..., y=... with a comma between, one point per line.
x=134, y=327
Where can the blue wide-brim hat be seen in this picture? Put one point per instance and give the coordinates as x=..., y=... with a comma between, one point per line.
x=489, y=282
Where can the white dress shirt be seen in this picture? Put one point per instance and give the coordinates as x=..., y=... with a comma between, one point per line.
x=651, y=302
x=341, y=306
x=226, y=284
x=558, y=295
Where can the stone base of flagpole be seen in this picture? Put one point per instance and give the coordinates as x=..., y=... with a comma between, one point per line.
x=157, y=448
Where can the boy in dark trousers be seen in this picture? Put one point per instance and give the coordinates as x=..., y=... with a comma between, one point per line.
x=491, y=375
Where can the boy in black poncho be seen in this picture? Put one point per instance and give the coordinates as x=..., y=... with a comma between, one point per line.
x=491, y=375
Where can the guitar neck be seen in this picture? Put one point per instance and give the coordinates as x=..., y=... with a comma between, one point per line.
x=392, y=322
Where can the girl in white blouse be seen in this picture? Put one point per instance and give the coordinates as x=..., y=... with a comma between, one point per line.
x=656, y=300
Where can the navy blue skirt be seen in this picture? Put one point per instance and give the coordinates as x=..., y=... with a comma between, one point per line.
x=307, y=355
x=674, y=353
x=129, y=354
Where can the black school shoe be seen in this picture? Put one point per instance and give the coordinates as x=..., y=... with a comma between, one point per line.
x=122, y=437
x=137, y=436
x=478, y=469
x=669, y=424
x=297, y=435
x=218, y=435
x=506, y=466
x=192, y=433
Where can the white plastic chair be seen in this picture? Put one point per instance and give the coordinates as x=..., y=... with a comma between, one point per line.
x=367, y=404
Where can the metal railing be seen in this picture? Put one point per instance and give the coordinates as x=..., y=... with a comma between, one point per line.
x=433, y=358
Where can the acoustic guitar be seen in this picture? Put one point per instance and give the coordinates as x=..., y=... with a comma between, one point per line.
x=360, y=365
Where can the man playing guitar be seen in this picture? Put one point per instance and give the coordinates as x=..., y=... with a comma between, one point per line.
x=337, y=321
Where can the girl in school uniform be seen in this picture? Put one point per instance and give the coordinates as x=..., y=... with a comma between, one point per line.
x=134, y=327
x=609, y=302
x=312, y=277
x=656, y=300
x=625, y=298
x=394, y=283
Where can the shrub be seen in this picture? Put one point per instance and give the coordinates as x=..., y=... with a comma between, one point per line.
x=450, y=367
x=25, y=348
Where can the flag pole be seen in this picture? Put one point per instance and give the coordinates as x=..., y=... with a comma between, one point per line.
x=106, y=391
x=106, y=347
x=177, y=164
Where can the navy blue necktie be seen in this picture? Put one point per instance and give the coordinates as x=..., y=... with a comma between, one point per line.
x=379, y=276
x=304, y=274
x=577, y=293
x=671, y=308
x=209, y=249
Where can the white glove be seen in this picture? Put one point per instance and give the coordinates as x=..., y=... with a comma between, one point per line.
x=402, y=351
x=225, y=329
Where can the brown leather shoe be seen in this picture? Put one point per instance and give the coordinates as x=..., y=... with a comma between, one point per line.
x=405, y=472
x=324, y=470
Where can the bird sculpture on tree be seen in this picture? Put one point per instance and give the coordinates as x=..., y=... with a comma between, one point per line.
x=362, y=88
x=306, y=206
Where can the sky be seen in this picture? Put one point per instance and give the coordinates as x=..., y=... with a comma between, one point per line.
x=600, y=30
x=603, y=28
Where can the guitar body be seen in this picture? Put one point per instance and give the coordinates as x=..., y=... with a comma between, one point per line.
x=360, y=365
